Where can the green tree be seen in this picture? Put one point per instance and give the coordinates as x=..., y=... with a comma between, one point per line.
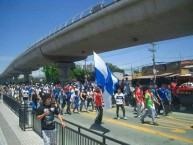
x=114, y=68
x=136, y=71
x=79, y=74
x=51, y=74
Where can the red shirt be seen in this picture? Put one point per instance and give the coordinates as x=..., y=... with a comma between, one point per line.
x=139, y=96
x=98, y=99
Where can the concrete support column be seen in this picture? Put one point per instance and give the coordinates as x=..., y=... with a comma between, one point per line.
x=15, y=79
x=3, y=80
x=63, y=70
x=6, y=80
x=26, y=76
x=9, y=80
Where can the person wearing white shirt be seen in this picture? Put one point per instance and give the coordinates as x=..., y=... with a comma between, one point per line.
x=25, y=95
x=119, y=98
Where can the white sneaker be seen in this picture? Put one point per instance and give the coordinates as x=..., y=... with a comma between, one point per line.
x=125, y=118
x=157, y=116
x=118, y=118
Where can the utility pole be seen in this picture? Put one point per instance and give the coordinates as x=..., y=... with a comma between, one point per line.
x=153, y=50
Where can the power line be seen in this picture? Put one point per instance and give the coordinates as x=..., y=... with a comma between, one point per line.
x=120, y=53
x=134, y=61
x=175, y=57
x=136, y=67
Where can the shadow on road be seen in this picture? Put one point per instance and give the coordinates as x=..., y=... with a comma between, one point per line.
x=98, y=127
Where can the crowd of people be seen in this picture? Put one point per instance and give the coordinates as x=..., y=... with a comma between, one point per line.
x=74, y=97
x=48, y=100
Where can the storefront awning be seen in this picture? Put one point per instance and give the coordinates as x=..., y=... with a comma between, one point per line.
x=145, y=77
x=188, y=66
x=173, y=75
x=185, y=75
x=165, y=74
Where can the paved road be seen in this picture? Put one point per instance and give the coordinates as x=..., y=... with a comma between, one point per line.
x=174, y=129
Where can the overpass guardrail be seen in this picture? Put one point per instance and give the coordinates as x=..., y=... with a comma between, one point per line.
x=72, y=134
x=80, y=16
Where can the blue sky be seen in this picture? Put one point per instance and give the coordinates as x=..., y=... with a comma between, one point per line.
x=25, y=21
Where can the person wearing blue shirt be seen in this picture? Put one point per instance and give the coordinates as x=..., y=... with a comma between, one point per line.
x=169, y=98
x=156, y=98
x=30, y=90
x=56, y=93
x=162, y=94
x=76, y=102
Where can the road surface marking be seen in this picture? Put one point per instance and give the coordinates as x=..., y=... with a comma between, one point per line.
x=188, y=120
x=187, y=140
x=172, y=128
x=2, y=138
x=169, y=126
x=169, y=123
x=182, y=125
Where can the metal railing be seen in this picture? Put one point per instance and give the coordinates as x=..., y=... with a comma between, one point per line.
x=69, y=136
x=79, y=135
x=23, y=111
x=72, y=134
x=12, y=104
x=26, y=117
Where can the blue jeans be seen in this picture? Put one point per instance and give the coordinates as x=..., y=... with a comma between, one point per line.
x=83, y=103
x=151, y=111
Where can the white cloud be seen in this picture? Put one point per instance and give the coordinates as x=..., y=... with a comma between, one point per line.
x=38, y=73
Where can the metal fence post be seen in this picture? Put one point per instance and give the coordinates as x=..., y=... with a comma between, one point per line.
x=104, y=140
x=62, y=135
x=24, y=118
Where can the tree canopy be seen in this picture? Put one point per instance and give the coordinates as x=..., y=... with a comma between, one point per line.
x=114, y=68
x=78, y=74
x=51, y=74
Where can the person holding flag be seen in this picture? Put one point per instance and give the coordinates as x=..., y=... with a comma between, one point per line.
x=98, y=100
x=106, y=80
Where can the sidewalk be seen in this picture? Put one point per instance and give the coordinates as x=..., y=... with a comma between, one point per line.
x=10, y=132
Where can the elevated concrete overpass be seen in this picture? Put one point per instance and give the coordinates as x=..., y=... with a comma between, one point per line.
x=121, y=24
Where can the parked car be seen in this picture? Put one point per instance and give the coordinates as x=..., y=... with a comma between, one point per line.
x=185, y=88
x=185, y=93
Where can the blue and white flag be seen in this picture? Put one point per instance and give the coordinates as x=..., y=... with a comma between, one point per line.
x=105, y=79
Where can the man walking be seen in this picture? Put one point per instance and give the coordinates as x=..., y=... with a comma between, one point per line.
x=149, y=105
x=156, y=99
x=46, y=113
x=139, y=100
x=162, y=94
